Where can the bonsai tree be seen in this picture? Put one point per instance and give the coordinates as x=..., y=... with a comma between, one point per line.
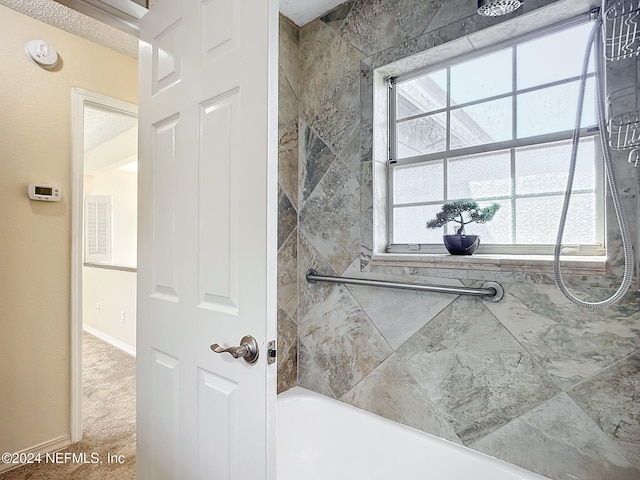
x=463, y=212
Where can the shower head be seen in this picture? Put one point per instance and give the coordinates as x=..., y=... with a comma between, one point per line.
x=494, y=8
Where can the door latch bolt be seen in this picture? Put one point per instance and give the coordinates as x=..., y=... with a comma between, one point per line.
x=271, y=352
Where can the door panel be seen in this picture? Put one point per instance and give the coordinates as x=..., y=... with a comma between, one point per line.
x=219, y=203
x=165, y=409
x=218, y=407
x=221, y=29
x=167, y=56
x=164, y=166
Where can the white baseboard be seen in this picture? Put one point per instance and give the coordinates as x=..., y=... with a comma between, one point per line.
x=109, y=339
x=44, y=448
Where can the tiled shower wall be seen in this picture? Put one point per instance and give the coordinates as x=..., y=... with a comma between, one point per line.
x=289, y=71
x=532, y=379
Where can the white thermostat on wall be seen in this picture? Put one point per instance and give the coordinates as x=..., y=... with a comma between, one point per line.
x=46, y=193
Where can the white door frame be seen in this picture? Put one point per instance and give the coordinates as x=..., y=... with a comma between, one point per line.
x=79, y=99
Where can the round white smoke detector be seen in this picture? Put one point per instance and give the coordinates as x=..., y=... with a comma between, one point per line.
x=41, y=53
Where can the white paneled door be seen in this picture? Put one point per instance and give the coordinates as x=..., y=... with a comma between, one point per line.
x=207, y=239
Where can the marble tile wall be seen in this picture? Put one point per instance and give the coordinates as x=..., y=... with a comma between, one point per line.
x=532, y=379
x=288, y=106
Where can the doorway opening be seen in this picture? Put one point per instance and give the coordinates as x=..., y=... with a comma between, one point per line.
x=104, y=229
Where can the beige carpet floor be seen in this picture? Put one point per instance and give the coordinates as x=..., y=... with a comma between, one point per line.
x=109, y=416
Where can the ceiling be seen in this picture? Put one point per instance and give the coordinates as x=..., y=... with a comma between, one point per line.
x=302, y=12
x=101, y=125
x=116, y=27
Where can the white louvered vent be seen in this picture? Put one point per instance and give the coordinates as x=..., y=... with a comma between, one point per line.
x=97, y=229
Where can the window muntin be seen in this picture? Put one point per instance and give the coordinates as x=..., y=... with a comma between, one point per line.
x=495, y=129
x=496, y=78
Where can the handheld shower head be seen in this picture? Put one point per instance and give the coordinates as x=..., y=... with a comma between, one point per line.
x=494, y=8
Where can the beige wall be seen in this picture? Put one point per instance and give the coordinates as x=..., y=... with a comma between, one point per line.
x=35, y=237
x=114, y=290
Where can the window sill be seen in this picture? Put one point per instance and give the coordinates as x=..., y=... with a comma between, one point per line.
x=109, y=266
x=591, y=265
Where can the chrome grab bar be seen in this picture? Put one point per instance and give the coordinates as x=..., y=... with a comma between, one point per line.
x=489, y=289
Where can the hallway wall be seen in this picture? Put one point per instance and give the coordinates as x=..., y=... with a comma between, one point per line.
x=35, y=238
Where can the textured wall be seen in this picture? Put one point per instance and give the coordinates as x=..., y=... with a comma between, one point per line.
x=35, y=238
x=532, y=379
x=287, y=204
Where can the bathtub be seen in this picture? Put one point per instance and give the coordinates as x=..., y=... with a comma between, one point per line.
x=323, y=439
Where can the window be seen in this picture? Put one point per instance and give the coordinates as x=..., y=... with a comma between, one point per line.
x=97, y=229
x=497, y=127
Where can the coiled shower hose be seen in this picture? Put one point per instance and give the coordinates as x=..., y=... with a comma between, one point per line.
x=615, y=197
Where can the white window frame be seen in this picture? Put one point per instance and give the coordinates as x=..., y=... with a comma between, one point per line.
x=508, y=249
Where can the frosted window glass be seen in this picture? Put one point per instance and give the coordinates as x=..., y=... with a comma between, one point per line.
x=544, y=168
x=479, y=176
x=553, y=109
x=483, y=123
x=422, y=135
x=419, y=183
x=409, y=225
x=422, y=95
x=498, y=230
x=537, y=220
x=561, y=54
x=482, y=77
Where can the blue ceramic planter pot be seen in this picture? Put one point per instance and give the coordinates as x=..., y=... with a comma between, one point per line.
x=461, y=244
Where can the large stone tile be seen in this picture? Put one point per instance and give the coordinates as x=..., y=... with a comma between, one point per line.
x=310, y=375
x=571, y=343
x=288, y=275
x=391, y=392
x=330, y=84
x=615, y=250
x=288, y=105
x=289, y=52
x=341, y=340
x=287, y=347
x=310, y=293
x=352, y=151
x=288, y=161
x=316, y=159
x=451, y=11
x=559, y=440
x=336, y=17
x=433, y=47
x=287, y=217
x=612, y=399
x=367, y=95
x=473, y=370
x=533, y=15
x=375, y=25
x=398, y=314
x=331, y=216
x=366, y=213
